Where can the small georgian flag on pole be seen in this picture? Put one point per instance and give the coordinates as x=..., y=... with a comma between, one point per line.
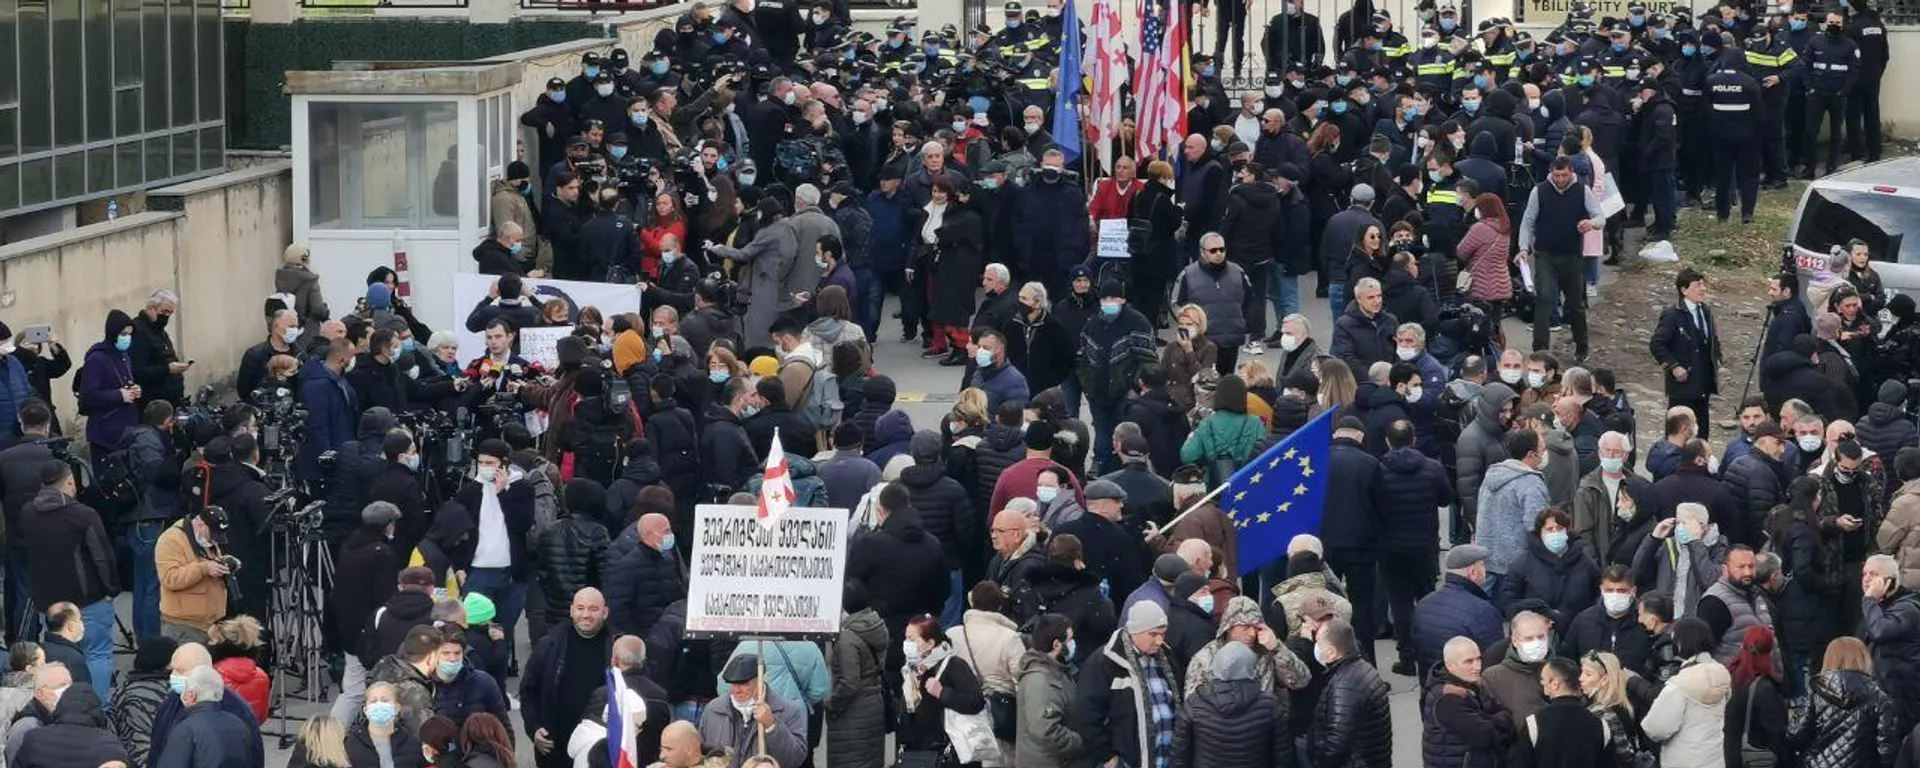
x=776, y=487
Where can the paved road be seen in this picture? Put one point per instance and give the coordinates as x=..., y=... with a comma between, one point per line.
x=926, y=393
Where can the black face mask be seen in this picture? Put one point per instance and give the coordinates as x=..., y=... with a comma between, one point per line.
x=160, y=321
x=1833, y=30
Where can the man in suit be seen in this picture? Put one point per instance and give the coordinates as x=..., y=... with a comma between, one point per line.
x=1687, y=346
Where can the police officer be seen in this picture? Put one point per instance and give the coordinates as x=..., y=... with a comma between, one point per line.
x=1833, y=62
x=779, y=23
x=898, y=45
x=1637, y=21
x=1449, y=23
x=1798, y=34
x=1432, y=65
x=1525, y=53
x=1863, y=105
x=606, y=104
x=1774, y=64
x=1493, y=44
x=1735, y=110
x=1017, y=36
x=1393, y=45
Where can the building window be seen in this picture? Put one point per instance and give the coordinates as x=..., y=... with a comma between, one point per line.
x=384, y=165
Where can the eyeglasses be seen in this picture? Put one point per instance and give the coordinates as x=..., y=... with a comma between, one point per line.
x=1213, y=250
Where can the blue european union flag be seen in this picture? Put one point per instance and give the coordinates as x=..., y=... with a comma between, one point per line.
x=1066, y=99
x=1279, y=494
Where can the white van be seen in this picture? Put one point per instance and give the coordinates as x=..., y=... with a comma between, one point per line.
x=1877, y=203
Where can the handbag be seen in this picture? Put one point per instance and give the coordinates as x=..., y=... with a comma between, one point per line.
x=969, y=737
x=1750, y=755
x=919, y=758
x=1000, y=706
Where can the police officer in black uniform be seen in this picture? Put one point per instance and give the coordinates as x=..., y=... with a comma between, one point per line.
x=1863, y=105
x=1736, y=107
x=1775, y=66
x=1833, y=69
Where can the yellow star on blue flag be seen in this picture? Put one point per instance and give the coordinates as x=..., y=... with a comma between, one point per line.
x=1280, y=493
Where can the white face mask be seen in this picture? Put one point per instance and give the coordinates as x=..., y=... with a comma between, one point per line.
x=604, y=89
x=1809, y=443
x=861, y=118
x=1414, y=393
x=1533, y=651
x=1617, y=603
x=1322, y=655
x=1536, y=380
x=1511, y=375
x=1407, y=354
x=1289, y=342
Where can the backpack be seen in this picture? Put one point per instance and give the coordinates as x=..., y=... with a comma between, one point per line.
x=1452, y=413
x=820, y=406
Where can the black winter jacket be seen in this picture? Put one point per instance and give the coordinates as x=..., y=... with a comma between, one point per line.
x=1414, y=487
x=572, y=555
x=1189, y=628
x=207, y=737
x=640, y=584
x=1252, y=224
x=76, y=734
x=1849, y=722
x=1887, y=428
x=367, y=573
x=470, y=692
x=400, y=613
x=946, y=512
x=1565, y=583
x=1361, y=341
x=1461, y=731
x=903, y=567
x=1073, y=593
x=1758, y=483
x=1785, y=376
x=1594, y=630
x=726, y=453
x=1351, y=724
x=1354, y=486
x=516, y=505
x=80, y=565
x=1161, y=423
x=1231, y=724
x=1000, y=447
x=404, y=746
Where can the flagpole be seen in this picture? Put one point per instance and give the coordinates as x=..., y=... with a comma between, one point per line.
x=1201, y=502
x=761, y=697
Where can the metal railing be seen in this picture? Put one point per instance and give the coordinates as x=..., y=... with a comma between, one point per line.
x=371, y=5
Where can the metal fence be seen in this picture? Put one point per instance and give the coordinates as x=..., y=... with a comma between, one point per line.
x=345, y=6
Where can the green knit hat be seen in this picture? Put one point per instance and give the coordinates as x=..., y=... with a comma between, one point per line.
x=480, y=610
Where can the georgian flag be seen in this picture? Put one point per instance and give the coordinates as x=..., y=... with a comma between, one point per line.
x=776, y=486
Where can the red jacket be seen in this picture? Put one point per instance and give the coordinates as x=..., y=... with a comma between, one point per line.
x=650, y=244
x=247, y=679
x=1111, y=201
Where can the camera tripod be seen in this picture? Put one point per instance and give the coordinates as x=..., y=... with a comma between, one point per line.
x=300, y=576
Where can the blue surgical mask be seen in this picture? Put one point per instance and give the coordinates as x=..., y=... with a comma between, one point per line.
x=1619, y=47
x=406, y=346
x=720, y=164
x=177, y=683
x=382, y=713
x=1110, y=311
x=1073, y=648
x=1472, y=107
x=1377, y=46
x=666, y=543
x=1797, y=24
x=1586, y=80
x=1046, y=494
x=449, y=669
x=747, y=179
x=669, y=257
x=1556, y=541
x=656, y=355
x=983, y=358
x=413, y=462
x=989, y=183
x=659, y=66
x=1011, y=24
x=290, y=335
x=1343, y=80
x=1482, y=82
x=1411, y=111
x=558, y=97
x=1207, y=71
x=1663, y=34
x=639, y=119
x=517, y=247
x=718, y=376
x=123, y=342
x=719, y=38
x=618, y=152
x=1637, y=20
x=1688, y=50
x=592, y=72
x=1205, y=602
x=1339, y=107
x=1448, y=25
x=1613, y=465
x=1682, y=535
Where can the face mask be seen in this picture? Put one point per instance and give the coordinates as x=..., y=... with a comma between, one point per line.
x=1533, y=651
x=1482, y=82
x=1046, y=494
x=666, y=543
x=989, y=184
x=1613, y=465
x=720, y=164
x=1616, y=602
x=1272, y=91
x=1586, y=81
x=960, y=126
x=1533, y=104
x=1339, y=107
x=1808, y=443
x=719, y=38
x=1414, y=394
x=1289, y=342
x=1205, y=602
x=177, y=683
x=1322, y=655
x=1833, y=29
x=657, y=355
x=747, y=179
x=382, y=713
x=669, y=257
x=290, y=335
x=591, y=72
x=617, y=152
x=658, y=67
x=1472, y=106
x=413, y=462
x=1297, y=83
x=485, y=475
x=1411, y=112
x=1545, y=458
x=718, y=375
x=516, y=248
x=1436, y=175
x=983, y=358
x=1109, y=311
x=911, y=650
x=1448, y=24
x=1343, y=80
x=122, y=343
x=1207, y=71
x=1429, y=42
x=1619, y=47
x=1556, y=541
x=1683, y=534
x=351, y=362
x=1536, y=380
x=1511, y=375
x=558, y=97
x=449, y=670
x=1073, y=649
x=1033, y=128
x=604, y=89
x=1216, y=144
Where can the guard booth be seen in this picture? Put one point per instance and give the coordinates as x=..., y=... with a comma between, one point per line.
x=392, y=166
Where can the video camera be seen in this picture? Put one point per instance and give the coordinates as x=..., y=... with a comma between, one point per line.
x=283, y=422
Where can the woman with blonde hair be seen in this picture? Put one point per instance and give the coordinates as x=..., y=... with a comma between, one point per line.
x=1262, y=390
x=1848, y=719
x=235, y=647
x=1605, y=686
x=322, y=743
x=1337, y=385
x=1188, y=355
x=1158, y=260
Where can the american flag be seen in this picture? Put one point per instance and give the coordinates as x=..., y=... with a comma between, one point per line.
x=1162, y=91
x=1109, y=71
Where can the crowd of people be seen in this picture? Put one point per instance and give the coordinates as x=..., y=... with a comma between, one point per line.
x=1564, y=592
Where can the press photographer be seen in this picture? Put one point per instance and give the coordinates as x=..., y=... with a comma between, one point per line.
x=147, y=453
x=283, y=337
x=237, y=484
x=195, y=575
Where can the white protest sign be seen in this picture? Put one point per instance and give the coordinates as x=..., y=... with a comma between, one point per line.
x=784, y=582
x=537, y=344
x=1113, y=240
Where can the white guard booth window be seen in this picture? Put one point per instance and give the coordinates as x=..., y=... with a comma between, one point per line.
x=393, y=168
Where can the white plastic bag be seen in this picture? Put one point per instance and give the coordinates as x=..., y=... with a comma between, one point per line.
x=1660, y=250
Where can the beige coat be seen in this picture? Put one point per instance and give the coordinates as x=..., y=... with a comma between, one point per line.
x=1900, y=533
x=992, y=641
x=507, y=204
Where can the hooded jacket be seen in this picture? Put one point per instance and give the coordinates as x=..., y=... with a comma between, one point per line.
x=1231, y=723
x=856, y=710
x=1278, y=672
x=1887, y=428
x=103, y=372
x=1484, y=165
x=893, y=430
x=78, y=563
x=1513, y=495
x=1252, y=227
x=1688, y=719
x=1480, y=446
x=1787, y=376
x=75, y=734
x=1046, y=736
